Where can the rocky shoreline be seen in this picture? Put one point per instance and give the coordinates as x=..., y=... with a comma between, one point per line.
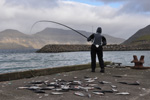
x=54, y=48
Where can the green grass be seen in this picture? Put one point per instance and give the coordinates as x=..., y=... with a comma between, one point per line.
x=144, y=37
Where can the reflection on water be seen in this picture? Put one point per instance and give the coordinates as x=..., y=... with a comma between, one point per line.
x=10, y=62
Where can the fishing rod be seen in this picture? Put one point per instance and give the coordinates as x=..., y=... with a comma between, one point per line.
x=58, y=24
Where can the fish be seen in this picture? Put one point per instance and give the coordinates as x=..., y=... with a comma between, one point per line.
x=75, y=83
x=75, y=88
x=87, y=88
x=23, y=87
x=56, y=93
x=123, y=93
x=135, y=83
x=65, y=87
x=92, y=84
x=98, y=88
x=90, y=81
x=114, y=90
x=123, y=82
x=98, y=93
x=95, y=78
x=38, y=91
x=34, y=88
x=47, y=88
x=53, y=84
x=113, y=86
x=104, y=82
x=79, y=94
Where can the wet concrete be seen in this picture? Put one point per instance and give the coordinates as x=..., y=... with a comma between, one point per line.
x=9, y=89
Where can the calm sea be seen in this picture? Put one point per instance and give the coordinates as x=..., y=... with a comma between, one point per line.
x=14, y=60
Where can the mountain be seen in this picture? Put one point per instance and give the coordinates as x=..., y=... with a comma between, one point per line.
x=141, y=37
x=13, y=39
x=68, y=36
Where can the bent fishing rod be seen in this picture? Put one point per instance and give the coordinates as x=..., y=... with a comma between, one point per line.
x=58, y=24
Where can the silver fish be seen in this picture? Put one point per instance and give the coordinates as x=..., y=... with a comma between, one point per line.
x=113, y=86
x=95, y=78
x=37, y=82
x=79, y=94
x=23, y=87
x=34, y=88
x=104, y=82
x=90, y=81
x=87, y=88
x=79, y=82
x=123, y=93
x=56, y=93
x=98, y=93
x=114, y=90
x=48, y=88
x=92, y=84
x=65, y=87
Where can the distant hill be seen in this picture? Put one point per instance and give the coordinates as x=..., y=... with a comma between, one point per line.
x=141, y=37
x=13, y=39
x=68, y=36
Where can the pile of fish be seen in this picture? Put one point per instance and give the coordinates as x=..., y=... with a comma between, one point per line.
x=86, y=88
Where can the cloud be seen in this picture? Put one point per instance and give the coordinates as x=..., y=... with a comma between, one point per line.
x=131, y=6
x=137, y=6
x=118, y=22
x=33, y=3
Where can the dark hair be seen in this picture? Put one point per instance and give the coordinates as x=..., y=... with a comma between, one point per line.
x=99, y=30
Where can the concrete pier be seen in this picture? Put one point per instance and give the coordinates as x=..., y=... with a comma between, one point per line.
x=9, y=89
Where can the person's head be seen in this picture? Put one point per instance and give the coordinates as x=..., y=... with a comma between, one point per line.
x=99, y=30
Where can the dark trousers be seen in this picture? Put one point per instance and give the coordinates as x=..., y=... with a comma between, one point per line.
x=99, y=52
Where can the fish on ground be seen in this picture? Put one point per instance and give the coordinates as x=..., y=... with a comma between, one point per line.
x=123, y=93
x=79, y=94
x=56, y=93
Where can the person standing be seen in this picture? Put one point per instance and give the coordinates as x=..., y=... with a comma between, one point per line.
x=97, y=49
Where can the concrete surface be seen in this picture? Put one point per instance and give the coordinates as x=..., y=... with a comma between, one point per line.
x=9, y=89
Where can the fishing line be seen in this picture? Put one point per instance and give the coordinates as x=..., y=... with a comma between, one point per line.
x=58, y=24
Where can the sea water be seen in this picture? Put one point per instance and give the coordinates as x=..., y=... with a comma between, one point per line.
x=12, y=61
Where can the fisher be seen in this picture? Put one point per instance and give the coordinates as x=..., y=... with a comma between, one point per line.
x=97, y=49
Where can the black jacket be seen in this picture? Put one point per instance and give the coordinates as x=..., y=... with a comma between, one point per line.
x=97, y=39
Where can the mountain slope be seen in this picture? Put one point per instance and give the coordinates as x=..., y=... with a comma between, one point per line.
x=142, y=36
x=13, y=39
x=68, y=36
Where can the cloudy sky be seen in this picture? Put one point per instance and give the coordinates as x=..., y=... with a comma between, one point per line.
x=119, y=18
